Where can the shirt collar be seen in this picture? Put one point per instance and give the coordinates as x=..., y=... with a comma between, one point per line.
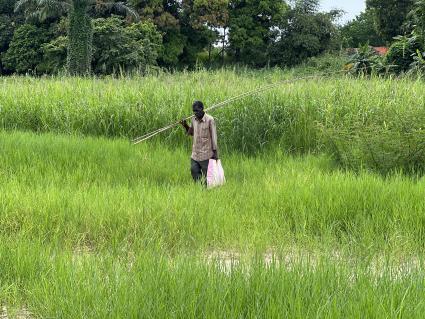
x=203, y=118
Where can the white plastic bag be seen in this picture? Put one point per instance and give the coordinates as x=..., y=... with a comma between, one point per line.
x=215, y=174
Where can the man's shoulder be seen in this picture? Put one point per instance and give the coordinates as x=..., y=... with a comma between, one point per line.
x=208, y=117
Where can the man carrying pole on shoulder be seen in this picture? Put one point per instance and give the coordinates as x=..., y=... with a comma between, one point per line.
x=204, y=147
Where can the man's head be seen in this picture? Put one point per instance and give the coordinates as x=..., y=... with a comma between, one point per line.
x=198, y=109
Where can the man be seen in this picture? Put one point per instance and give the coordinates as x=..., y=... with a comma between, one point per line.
x=204, y=145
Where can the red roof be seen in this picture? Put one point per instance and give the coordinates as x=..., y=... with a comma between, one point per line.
x=381, y=50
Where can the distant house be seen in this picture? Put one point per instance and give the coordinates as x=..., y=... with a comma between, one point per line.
x=380, y=50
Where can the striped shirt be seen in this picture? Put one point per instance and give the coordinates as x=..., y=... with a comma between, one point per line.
x=204, y=138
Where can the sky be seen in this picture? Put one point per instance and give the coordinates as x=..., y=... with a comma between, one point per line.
x=351, y=7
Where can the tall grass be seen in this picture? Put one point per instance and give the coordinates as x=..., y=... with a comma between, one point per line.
x=363, y=122
x=98, y=228
x=57, y=189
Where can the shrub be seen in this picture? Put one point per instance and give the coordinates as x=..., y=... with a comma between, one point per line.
x=365, y=61
x=417, y=67
x=401, y=53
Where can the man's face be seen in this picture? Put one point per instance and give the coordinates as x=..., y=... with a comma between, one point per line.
x=198, y=111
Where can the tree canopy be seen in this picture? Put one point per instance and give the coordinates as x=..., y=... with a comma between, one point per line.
x=105, y=37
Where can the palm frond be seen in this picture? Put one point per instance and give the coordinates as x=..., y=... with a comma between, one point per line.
x=23, y=3
x=119, y=8
x=42, y=9
x=122, y=8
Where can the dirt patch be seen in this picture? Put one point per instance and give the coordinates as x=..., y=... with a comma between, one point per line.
x=378, y=267
x=22, y=313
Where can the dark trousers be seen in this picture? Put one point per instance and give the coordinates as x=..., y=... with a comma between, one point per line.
x=199, y=170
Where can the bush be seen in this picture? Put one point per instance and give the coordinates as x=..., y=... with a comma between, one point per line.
x=365, y=62
x=418, y=65
x=326, y=62
x=401, y=53
x=378, y=148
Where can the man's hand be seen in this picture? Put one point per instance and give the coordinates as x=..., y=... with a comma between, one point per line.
x=215, y=156
x=189, y=129
x=183, y=122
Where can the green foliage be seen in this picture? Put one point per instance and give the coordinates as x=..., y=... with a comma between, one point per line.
x=173, y=47
x=365, y=61
x=327, y=62
x=418, y=65
x=390, y=16
x=80, y=33
x=207, y=17
x=251, y=31
x=7, y=7
x=118, y=47
x=212, y=13
x=360, y=31
x=9, y=21
x=54, y=56
x=166, y=16
x=6, y=31
x=26, y=49
x=402, y=51
x=397, y=146
x=416, y=20
x=305, y=33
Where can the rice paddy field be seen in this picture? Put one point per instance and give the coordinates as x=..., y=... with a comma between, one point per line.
x=323, y=214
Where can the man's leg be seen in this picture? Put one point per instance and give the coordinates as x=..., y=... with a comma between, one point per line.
x=196, y=170
x=204, y=168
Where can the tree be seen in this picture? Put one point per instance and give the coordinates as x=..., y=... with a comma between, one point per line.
x=251, y=29
x=7, y=7
x=194, y=27
x=119, y=47
x=416, y=20
x=80, y=33
x=211, y=16
x=54, y=56
x=390, y=16
x=6, y=32
x=8, y=24
x=25, y=50
x=165, y=14
x=360, y=31
x=307, y=7
x=305, y=32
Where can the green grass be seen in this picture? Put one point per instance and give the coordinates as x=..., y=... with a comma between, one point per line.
x=98, y=228
x=361, y=122
x=93, y=227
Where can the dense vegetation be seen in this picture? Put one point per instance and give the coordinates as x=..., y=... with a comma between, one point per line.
x=79, y=36
x=362, y=122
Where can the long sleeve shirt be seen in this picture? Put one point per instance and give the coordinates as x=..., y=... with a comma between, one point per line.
x=204, y=138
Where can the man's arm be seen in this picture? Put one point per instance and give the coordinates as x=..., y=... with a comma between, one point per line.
x=213, y=131
x=189, y=129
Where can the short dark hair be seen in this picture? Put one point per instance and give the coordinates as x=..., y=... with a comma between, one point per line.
x=199, y=104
